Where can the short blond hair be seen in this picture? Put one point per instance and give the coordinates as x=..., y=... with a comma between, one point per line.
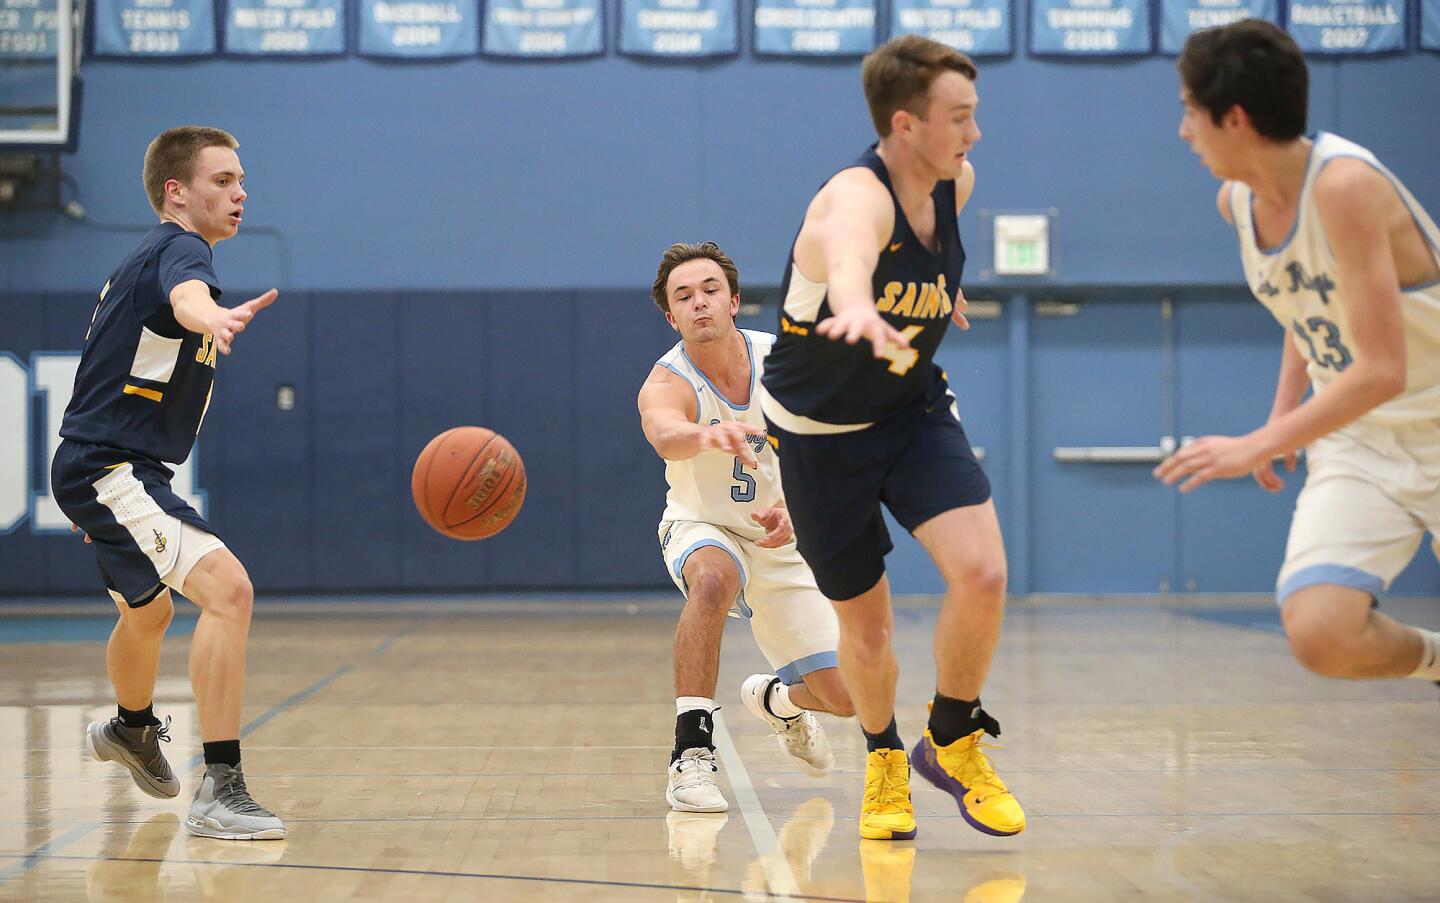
x=897, y=76
x=172, y=155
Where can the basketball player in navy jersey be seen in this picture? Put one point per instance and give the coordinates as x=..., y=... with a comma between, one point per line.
x=141, y=392
x=862, y=415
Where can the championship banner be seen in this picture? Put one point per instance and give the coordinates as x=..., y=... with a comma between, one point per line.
x=1180, y=18
x=27, y=30
x=550, y=29
x=679, y=28
x=1090, y=27
x=1347, y=26
x=814, y=27
x=973, y=27
x=1430, y=24
x=419, y=29
x=154, y=28
x=285, y=27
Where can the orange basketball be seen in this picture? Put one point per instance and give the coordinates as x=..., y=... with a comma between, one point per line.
x=468, y=483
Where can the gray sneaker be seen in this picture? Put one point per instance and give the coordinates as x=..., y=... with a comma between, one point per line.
x=138, y=749
x=223, y=808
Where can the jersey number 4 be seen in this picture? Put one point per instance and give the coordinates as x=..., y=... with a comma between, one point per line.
x=903, y=359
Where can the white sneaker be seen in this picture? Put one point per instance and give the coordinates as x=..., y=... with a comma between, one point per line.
x=801, y=738
x=692, y=786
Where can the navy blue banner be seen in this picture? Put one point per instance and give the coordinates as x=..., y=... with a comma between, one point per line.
x=679, y=28
x=974, y=27
x=543, y=28
x=1180, y=18
x=1090, y=27
x=1430, y=24
x=815, y=27
x=1347, y=26
x=285, y=27
x=419, y=29
x=154, y=28
x=27, y=30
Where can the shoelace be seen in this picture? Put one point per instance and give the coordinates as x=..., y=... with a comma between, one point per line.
x=881, y=791
x=976, y=770
x=797, y=729
x=692, y=770
x=237, y=796
x=150, y=753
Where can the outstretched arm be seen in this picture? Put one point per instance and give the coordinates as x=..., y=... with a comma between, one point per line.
x=845, y=227
x=667, y=415
x=198, y=312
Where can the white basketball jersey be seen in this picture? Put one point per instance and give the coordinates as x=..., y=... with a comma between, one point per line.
x=714, y=487
x=1296, y=281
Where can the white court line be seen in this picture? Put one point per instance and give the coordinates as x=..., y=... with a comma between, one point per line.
x=777, y=868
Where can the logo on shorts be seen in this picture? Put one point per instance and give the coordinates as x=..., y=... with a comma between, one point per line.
x=665, y=542
x=160, y=542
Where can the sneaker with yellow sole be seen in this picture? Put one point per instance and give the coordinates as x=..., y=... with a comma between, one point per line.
x=964, y=771
x=886, y=813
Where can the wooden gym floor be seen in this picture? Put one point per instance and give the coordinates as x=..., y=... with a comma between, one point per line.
x=1164, y=749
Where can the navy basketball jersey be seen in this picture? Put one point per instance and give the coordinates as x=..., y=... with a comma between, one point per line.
x=824, y=380
x=144, y=380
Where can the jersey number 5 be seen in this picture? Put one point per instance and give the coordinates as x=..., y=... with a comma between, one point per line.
x=744, y=491
x=902, y=359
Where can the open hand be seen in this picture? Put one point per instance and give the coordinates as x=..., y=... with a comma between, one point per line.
x=776, y=522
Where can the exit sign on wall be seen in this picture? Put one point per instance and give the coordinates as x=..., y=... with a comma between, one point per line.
x=1022, y=244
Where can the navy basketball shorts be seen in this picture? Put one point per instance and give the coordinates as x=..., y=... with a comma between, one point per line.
x=145, y=536
x=919, y=463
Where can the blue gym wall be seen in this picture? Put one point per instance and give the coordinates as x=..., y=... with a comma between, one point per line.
x=472, y=242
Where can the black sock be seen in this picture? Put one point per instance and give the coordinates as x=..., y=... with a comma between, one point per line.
x=223, y=752
x=886, y=739
x=142, y=718
x=693, y=730
x=951, y=719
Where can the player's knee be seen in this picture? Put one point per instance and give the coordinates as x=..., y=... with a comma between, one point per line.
x=712, y=589
x=235, y=601
x=983, y=576
x=1317, y=642
x=869, y=640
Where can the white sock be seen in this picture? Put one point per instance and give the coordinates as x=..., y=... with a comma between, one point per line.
x=685, y=704
x=779, y=704
x=1429, y=668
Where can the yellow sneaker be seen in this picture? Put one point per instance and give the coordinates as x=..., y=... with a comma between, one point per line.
x=964, y=772
x=886, y=813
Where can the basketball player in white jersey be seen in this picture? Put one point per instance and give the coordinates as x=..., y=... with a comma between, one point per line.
x=1349, y=264
x=726, y=536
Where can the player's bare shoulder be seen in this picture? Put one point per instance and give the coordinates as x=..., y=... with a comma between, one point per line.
x=1348, y=186
x=666, y=392
x=849, y=189
x=853, y=196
